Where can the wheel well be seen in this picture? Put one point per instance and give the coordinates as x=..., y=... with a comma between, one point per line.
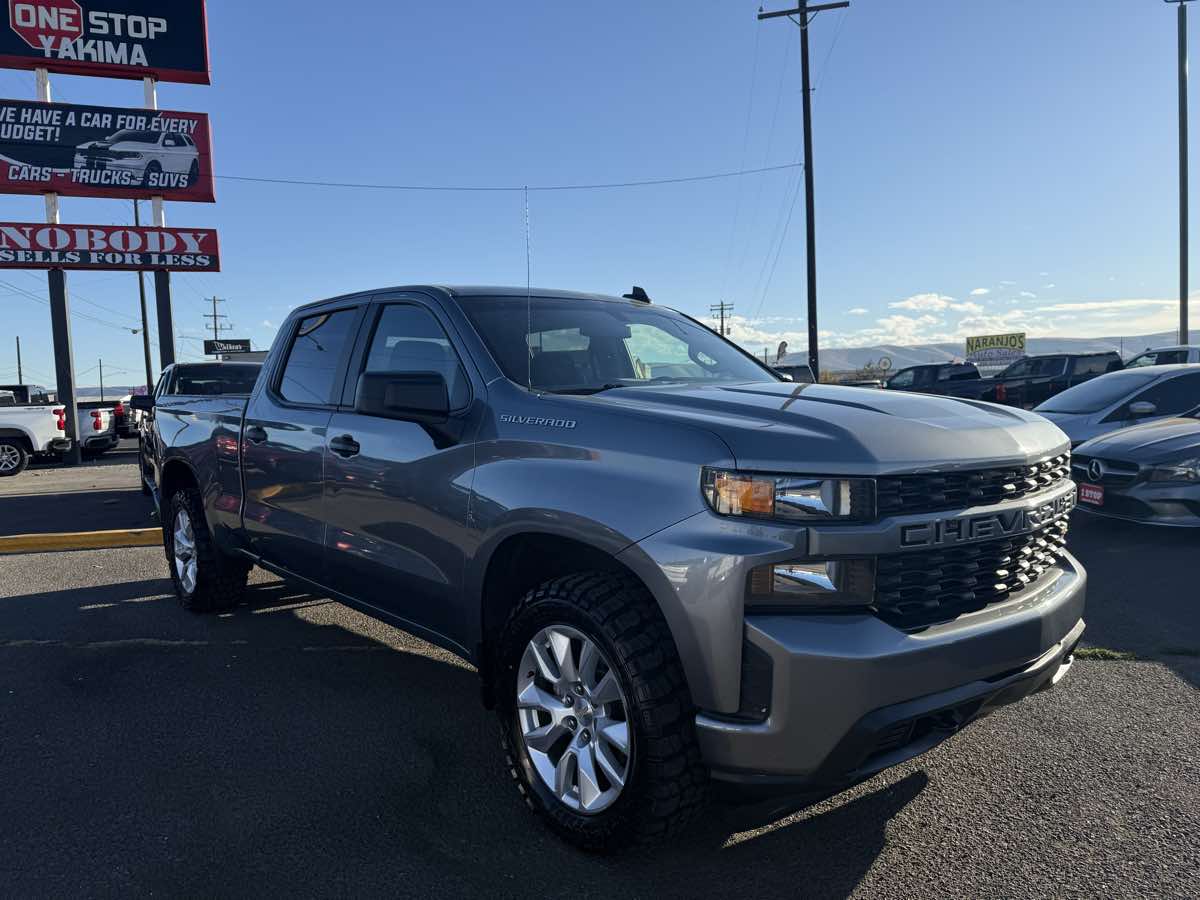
x=176, y=477
x=17, y=437
x=518, y=565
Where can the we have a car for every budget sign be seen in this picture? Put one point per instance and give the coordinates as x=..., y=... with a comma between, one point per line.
x=30, y=246
x=103, y=151
x=163, y=39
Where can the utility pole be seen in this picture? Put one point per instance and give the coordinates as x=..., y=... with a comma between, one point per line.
x=137, y=221
x=1181, y=29
x=216, y=317
x=806, y=13
x=101, y=380
x=719, y=310
x=20, y=374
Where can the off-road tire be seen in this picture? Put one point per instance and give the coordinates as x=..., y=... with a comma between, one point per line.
x=10, y=447
x=220, y=578
x=668, y=783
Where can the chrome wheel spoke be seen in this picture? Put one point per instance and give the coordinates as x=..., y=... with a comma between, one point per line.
x=560, y=646
x=607, y=691
x=533, y=697
x=544, y=664
x=589, y=658
x=615, y=733
x=613, y=770
x=589, y=784
x=544, y=738
x=564, y=774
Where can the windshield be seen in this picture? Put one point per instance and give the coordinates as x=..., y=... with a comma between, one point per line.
x=568, y=345
x=1098, y=393
x=214, y=380
x=140, y=137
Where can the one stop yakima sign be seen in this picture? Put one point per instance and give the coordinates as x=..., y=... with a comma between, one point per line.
x=108, y=38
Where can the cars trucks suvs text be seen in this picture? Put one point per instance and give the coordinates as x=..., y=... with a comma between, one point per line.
x=675, y=572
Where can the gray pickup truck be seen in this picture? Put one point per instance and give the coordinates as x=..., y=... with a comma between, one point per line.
x=676, y=574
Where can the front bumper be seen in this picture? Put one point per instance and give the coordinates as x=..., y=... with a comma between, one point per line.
x=851, y=695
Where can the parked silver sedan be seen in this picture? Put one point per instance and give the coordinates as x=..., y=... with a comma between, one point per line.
x=1120, y=399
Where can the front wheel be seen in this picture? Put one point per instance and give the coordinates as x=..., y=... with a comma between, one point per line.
x=595, y=713
x=205, y=579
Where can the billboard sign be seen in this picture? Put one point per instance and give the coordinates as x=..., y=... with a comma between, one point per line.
x=104, y=151
x=995, y=349
x=26, y=245
x=227, y=345
x=108, y=38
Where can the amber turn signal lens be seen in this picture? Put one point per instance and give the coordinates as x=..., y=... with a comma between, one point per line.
x=740, y=495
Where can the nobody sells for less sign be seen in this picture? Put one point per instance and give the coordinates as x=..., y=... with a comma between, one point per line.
x=38, y=246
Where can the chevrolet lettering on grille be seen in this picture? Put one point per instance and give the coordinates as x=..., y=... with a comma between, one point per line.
x=989, y=526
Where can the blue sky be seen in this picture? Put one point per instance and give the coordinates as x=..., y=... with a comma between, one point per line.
x=980, y=165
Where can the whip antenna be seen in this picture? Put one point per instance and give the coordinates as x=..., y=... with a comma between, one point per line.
x=528, y=298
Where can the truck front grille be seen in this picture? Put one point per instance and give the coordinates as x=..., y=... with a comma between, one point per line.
x=915, y=590
x=904, y=494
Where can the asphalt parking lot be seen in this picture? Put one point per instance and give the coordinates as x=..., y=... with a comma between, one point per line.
x=295, y=746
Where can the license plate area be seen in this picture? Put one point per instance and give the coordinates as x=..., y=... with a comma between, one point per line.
x=1092, y=494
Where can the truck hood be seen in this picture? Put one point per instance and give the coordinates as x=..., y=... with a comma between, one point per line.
x=818, y=428
x=1155, y=442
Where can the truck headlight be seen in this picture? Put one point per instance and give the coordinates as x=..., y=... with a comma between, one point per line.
x=1187, y=470
x=835, y=584
x=789, y=498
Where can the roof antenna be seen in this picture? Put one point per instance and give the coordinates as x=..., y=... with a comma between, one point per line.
x=637, y=294
x=528, y=299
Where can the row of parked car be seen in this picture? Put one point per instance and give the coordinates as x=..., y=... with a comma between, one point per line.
x=1134, y=428
x=34, y=426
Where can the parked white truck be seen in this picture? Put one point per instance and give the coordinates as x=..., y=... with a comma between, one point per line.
x=27, y=431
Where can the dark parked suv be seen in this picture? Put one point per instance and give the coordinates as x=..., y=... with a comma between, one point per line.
x=673, y=570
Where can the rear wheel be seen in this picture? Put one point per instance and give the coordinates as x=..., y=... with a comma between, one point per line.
x=595, y=713
x=205, y=579
x=151, y=170
x=14, y=457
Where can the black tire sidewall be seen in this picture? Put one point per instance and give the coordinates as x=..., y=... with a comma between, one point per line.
x=595, y=830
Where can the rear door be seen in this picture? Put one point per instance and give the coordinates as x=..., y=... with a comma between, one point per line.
x=397, y=492
x=283, y=439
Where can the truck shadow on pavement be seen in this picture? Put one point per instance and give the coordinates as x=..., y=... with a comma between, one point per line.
x=295, y=746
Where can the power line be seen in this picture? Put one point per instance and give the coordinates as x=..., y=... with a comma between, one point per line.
x=512, y=188
x=74, y=313
x=720, y=310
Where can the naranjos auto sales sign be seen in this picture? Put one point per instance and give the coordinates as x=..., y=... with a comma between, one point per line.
x=38, y=246
x=996, y=347
x=164, y=39
x=104, y=151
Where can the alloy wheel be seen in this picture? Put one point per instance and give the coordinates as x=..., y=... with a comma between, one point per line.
x=183, y=548
x=10, y=458
x=574, y=719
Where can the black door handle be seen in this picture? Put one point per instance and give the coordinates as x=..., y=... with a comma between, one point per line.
x=345, y=446
x=256, y=434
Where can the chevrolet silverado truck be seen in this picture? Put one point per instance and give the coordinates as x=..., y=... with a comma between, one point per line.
x=676, y=574
x=30, y=431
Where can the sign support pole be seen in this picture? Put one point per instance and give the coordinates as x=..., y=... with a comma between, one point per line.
x=162, y=278
x=60, y=319
x=137, y=221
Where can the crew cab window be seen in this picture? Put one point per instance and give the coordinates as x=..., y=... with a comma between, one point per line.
x=903, y=379
x=314, y=359
x=409, y=339
x=172, y=141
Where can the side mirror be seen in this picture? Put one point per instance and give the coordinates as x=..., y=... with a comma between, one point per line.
x=410, y=396
x=1141, y=409
x=142, y=402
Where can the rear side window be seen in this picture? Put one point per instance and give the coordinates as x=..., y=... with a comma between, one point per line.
x=409, y=339
x=1092, y=365
x=314, y=359
x=1173, y=396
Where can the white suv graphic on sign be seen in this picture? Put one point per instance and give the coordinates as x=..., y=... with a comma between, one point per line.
x=156, y=159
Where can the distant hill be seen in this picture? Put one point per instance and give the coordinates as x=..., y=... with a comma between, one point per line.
x=845, y=359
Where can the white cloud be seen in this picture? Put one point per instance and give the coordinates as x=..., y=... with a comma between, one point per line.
x=1049, y=287
x=1008, y=283
x=936, y=303
x=1093, y=305
x=266, y=323
x=1044, y=274
x=1028, y=295
x=979, y=292
x=858, y=311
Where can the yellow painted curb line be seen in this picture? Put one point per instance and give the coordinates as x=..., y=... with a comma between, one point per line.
x=81, y=540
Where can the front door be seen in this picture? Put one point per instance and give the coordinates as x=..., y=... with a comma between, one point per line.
x=283, y=441
x=397, y=492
